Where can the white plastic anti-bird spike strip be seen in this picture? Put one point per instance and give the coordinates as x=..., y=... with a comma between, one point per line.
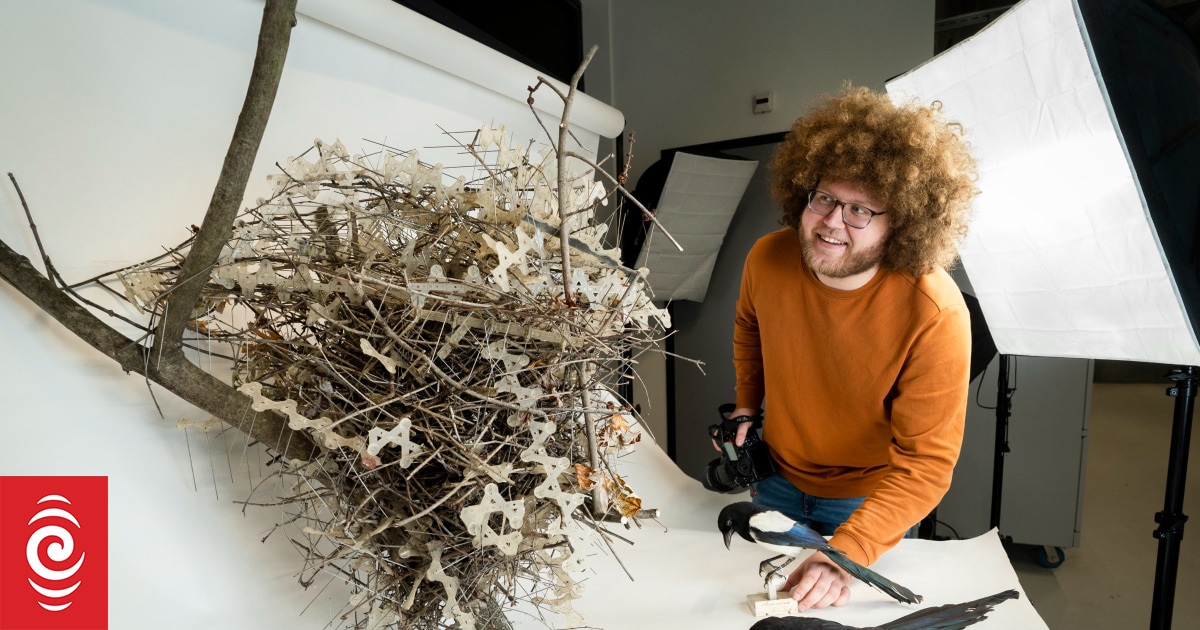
x=142, y=287
x=203, y=425
x=476, y=518
x=321, y=425
x=453, y=339
x=437, y=573
x=387, y=362
x=399, y=435
x=507, y=258
x=566, y=589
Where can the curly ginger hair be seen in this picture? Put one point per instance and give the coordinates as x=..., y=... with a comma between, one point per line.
x=903, y=155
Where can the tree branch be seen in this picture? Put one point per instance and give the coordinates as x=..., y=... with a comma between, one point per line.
x=279, y=16
x=180, y=376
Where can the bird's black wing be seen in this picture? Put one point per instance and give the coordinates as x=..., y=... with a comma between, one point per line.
x=799, y=623
x=797, y=536
x=890, y=588
x=950, y=616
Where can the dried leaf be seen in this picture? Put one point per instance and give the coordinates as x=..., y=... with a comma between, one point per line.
x=583, y=476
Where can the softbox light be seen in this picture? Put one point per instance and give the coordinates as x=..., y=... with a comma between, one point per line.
x=1084, y=117
x=695, y=205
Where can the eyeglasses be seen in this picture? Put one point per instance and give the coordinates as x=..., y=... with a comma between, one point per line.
x=853, y=214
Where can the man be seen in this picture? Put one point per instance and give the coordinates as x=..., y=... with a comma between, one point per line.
x=850, y=333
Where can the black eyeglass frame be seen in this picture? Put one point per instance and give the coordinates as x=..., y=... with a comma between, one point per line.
x=838, y=202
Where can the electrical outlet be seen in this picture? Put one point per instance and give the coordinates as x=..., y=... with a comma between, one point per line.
x=764, y=102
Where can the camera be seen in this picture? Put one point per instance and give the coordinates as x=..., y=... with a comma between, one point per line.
x=738, y=466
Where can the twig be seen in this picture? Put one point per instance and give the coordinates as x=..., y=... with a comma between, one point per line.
x=51, y=272
x=599, y=499
x=628, y=195
x=564, y=197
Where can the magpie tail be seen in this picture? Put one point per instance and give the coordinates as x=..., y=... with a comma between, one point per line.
x=950, y=616
x=889, y=587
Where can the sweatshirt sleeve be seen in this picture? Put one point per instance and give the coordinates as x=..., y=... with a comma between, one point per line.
x=928, y=412
x=747, y=349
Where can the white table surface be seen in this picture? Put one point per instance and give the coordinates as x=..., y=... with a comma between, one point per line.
x=683, y=577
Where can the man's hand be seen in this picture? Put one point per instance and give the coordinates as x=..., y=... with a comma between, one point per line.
x=744, y=427
x=819, y=583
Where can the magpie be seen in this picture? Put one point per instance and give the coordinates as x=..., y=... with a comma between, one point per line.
x=781, y=534
x=948, y=617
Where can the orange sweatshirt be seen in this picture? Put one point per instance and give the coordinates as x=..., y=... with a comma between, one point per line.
x=865, y=390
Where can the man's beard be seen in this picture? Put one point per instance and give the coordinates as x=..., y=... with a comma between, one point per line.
x=848, y=265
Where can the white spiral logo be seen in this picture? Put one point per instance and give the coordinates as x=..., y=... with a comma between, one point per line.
x=59, y=550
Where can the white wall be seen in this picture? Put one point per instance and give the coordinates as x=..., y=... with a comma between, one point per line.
x=684, y=72
x=116, y=117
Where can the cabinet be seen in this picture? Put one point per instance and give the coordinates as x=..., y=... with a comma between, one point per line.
x=1042, y=493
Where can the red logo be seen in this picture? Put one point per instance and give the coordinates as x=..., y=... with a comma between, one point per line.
x=53, y=553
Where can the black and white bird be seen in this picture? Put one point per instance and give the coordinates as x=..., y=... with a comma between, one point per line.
x=948, y=617
x=786, y=537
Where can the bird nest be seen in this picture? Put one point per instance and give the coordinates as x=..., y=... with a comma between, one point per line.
x=420, y=331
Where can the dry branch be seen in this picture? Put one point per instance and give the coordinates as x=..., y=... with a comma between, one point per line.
x=279, y=17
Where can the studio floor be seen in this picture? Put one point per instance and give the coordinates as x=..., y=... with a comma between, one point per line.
x=1107, y=583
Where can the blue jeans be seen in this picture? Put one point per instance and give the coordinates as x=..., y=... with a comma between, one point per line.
x=821, y=514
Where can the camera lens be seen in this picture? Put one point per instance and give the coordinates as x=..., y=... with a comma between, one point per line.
x=716, y=479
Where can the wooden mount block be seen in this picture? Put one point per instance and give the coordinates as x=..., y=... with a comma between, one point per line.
x=783, y=604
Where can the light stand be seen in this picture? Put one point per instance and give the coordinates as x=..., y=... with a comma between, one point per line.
x=1171, y=520
x=1003, y=414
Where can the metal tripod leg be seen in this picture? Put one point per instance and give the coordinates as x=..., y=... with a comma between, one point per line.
x=1171, y=520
